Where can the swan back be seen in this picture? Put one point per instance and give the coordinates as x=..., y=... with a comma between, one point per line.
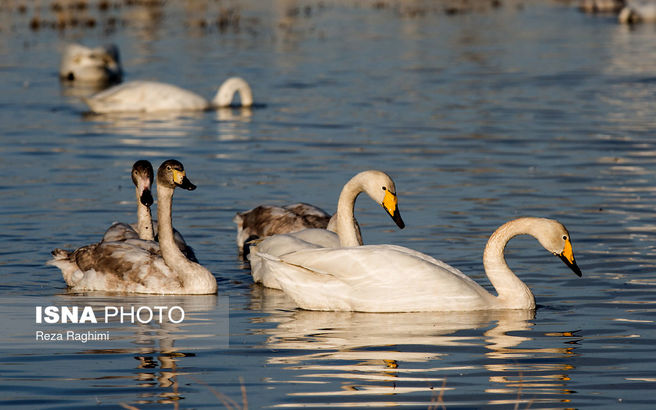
x=229, y=88
x=145, y=96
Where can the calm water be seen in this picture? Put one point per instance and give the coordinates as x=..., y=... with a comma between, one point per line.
x=526, y=109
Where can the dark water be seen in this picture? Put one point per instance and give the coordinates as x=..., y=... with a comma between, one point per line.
x=480, y=117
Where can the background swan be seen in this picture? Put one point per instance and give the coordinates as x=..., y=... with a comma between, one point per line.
x=145, y=228
x=638, y=11
x=389, y=278
x=94, y=65
x=342, y=230
x=135, y=265
x=151, y=96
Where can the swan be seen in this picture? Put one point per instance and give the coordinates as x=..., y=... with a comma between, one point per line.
x=389, y=278
x=135, y=265
x=145, y=228
x=91, y=65
x=342, y=229
x=638, y=11
x=267, y=220
x=151, y=96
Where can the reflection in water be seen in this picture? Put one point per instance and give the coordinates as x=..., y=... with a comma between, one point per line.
x=409, y=354
x=159, y=361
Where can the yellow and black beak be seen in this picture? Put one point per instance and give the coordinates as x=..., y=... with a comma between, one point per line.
x=180, y=179
x=567, y=256
x=390, y=203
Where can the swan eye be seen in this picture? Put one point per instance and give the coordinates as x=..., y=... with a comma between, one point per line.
x=384, y=189
x=564, y=237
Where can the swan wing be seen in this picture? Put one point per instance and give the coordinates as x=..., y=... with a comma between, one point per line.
x=374, y=278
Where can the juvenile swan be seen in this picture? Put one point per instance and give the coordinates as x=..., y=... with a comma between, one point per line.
x=150, y=96
x=91, y=65
x=135, y=265
x=145, y=228
x=267, y=220
x=342, y=230
x=388, y=278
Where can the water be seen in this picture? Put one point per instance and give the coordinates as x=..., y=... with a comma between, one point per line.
x=480, y=117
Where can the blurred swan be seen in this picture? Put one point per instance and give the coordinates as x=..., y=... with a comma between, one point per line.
x=342, y=229
x=389, y=278
x=267, y=220
x=151, y=96
x=601, y=6
x=135, y=265
x=91, y=65
x=638, y=11
x=145, y=228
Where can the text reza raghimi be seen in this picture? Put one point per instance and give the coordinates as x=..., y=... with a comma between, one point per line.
x=142, y=314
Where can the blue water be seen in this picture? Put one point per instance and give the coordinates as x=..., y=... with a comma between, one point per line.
x=527, y=109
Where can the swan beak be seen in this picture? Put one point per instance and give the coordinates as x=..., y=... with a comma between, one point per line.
x=146, y=197
x=390, y=203
x=181, y=180
x=567, y=256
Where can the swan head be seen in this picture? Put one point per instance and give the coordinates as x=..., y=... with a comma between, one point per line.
x=142, y=177
x=101, y=64
x=380, y=187
x=555, y=238
x=171, y=174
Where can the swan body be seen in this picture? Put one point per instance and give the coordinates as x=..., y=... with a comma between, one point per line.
x=151, y=96
x=136, y=265
x=91, y=65
x=267, y=220
x=638, y=11
x=389, y=278
x=342, y=229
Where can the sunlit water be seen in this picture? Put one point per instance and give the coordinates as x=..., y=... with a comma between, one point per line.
x=480, y=117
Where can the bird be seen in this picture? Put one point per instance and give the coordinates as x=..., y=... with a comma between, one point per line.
x=91, y=65
x=342, y=229
x=390, y=278
x=145, y=228
x=152, y=96
x=267, y=220
x=638, y=11
x=136, y=265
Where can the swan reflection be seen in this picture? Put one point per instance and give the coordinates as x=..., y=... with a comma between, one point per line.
x=151, y=347
x=414, y=356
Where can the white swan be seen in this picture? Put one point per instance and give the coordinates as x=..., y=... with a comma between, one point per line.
x=638, y=11
x=342, y=230
x=388, y=278
x=151, y=96
x=135, y=265
x=268, y=220
x=145, y=228
x=91, y=65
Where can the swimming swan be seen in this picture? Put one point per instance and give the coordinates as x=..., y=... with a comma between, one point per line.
x=91, y=65
x=638, y=11
x=151, y=96
x=389, y=278
x=145, y=228
x=342, y=230
x=135, y=265
x=267, y=220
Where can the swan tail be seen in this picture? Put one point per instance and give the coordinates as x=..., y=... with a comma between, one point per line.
x=64, y=260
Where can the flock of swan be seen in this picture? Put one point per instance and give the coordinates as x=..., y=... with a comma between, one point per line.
x=318, y=260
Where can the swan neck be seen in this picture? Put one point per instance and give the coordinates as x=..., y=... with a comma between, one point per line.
x=512, y=292
x=346, y=226
x=144, y=221
x=227, y=91
x=170, y=251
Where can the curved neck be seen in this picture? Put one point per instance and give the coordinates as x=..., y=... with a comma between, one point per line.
x=144, y=221
x=344, y=220
x=226, y=93
x=513, y=293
